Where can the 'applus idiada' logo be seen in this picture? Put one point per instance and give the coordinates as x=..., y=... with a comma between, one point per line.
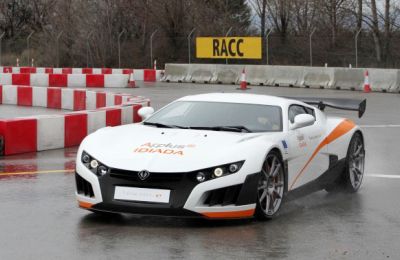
x=173, y=149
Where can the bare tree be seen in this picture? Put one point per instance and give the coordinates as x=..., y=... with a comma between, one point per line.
x=279, y=15
x=260, y=7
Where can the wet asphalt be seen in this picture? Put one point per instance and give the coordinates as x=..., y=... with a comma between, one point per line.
x=39, y=218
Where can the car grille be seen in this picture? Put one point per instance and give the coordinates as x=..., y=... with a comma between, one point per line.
x=224, y=196
x=155, y=177
x=83, y=187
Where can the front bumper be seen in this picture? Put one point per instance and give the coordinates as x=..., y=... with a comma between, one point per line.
x=226, y=197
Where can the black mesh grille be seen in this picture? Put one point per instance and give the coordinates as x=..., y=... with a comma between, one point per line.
x=83, y=186
x=155, y=177
x=223, y=196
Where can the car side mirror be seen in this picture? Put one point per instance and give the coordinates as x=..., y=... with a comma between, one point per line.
x=145, y=112
x=302, y=120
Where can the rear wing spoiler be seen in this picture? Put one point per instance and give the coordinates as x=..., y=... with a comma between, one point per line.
x=338, y=103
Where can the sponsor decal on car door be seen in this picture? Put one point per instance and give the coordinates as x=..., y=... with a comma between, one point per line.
x=304, y=142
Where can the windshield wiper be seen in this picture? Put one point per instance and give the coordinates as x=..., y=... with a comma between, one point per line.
x=236, y=128
x=165, y=125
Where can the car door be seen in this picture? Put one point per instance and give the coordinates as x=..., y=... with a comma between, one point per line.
x=306, y=162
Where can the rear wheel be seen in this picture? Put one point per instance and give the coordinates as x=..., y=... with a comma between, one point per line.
x=270, y=188
x=353, y=173
x=355, y=161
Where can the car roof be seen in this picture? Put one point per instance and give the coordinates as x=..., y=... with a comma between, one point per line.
x=241, y=98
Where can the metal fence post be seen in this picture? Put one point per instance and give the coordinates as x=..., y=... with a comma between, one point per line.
x=311, y=56
x=29, y=50
x=188, y=39
x=1, y=40
x=151, y=48
x=267, y=45
x=58, y=48
x=356, y=43
x=119, y=47
x=226, y=35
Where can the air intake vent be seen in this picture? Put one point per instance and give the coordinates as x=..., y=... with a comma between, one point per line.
x=83, y=186
x=224, y=196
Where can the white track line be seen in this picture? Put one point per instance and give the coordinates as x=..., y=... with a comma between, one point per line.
x=383, y=176
x=378, y=126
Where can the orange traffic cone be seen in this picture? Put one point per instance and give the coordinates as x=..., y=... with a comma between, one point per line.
x=367, y=87
x=243, y=82
x=131, y=82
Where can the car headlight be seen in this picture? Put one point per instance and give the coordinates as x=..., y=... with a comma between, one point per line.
x=94, y=165
x=218, y=171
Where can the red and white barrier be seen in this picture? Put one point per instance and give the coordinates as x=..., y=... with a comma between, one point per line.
x=66, y=80
x=60, y=77
x=17, y=70
x=62, y=98
x=38, y=133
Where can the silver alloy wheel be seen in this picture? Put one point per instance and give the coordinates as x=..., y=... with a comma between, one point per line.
x=271, y=185
x=356, y=163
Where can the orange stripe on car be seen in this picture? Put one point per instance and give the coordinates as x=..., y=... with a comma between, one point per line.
x=344, y=127
x=230, y=214
x=85, y=205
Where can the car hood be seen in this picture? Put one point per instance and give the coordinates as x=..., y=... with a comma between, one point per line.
x=138, y=147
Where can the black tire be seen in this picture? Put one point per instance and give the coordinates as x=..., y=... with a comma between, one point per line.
x=271, y=187
x=354, y=171
x=352, y=176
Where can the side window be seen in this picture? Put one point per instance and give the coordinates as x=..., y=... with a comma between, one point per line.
x=295, y=110
x=310, y=111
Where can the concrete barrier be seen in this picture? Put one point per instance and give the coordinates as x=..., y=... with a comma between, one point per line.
x=116, y=80
x=175, y=72
x=318, y=77
x=385, y=80
x=39, y=133
x=349, y=79
x=9, y=95
x=228, y=74
x=50, y=132
x=20, y=135
x=96, y=120
x=201, y=73
x=5, y=79
x=258, y=74
x=286, y=76
x=75, y=128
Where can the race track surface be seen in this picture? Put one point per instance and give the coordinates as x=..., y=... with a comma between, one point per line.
x=39, y=217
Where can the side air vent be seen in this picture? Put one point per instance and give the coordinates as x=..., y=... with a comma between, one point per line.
x=83, y=186
x=224, y=196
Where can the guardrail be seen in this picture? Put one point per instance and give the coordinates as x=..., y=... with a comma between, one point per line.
x=385, y=80
x=94, y=110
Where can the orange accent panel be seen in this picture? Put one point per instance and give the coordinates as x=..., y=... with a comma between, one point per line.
x=85, y=205
x=230, y=214
x=344, y=127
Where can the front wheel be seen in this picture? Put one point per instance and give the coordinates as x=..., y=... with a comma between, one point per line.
x=270, y=188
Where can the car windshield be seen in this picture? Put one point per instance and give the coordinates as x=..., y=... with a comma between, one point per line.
x=218, y=116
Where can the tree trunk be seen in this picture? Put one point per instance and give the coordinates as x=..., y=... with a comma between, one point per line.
x=333, y=22
x=263, y=23
x=387, y=32
x=359, y=14
x=375, y=32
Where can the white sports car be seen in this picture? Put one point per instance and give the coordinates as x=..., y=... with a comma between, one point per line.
x=221, y=156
